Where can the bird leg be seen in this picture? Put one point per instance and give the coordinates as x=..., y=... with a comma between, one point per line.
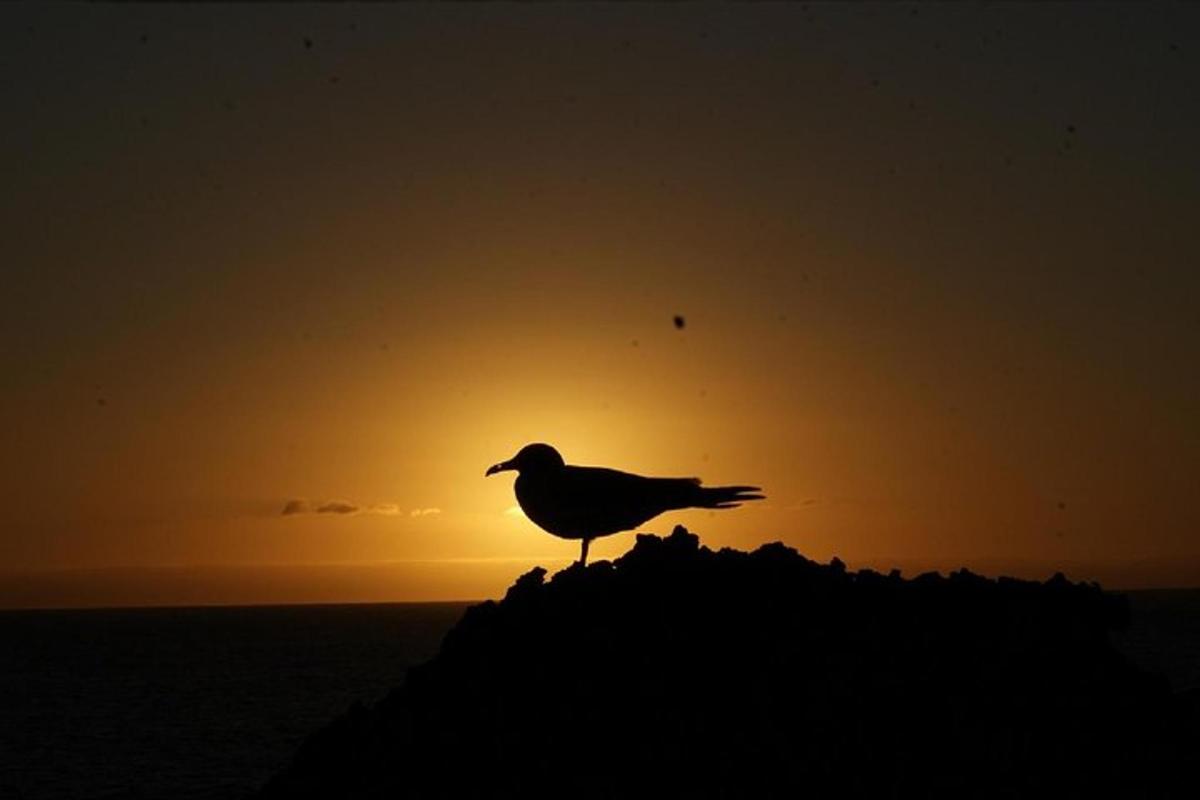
x=583, y=555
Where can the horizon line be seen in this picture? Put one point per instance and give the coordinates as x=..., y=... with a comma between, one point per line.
x=905, y=562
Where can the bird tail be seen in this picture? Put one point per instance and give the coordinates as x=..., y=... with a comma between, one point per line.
x=665, y=494
x=726, y=496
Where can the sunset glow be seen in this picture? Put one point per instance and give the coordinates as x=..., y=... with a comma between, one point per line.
x=940, y=302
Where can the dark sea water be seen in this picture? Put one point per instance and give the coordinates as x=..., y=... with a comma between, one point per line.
x=209, y=702
x=1164, y=634
x=188, y=702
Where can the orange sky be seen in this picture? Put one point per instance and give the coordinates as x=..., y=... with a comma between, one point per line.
x=938, y=268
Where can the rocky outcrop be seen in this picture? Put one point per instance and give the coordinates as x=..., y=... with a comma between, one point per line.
x=677, y=671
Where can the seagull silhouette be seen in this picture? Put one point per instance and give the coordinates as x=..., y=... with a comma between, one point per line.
x=587, y=502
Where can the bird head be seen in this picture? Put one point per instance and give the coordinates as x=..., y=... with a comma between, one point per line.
x=532, y=458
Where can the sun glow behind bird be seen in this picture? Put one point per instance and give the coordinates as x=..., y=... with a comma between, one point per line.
x=962, y=335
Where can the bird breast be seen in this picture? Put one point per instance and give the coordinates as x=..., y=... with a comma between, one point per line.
x=538, y=496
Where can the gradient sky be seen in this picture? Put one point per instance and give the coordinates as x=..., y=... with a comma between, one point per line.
x=939, y=268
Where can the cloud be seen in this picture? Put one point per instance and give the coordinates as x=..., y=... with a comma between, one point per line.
x=295, y=507
x=424, y=512
x=337, y=507
x=342, y=508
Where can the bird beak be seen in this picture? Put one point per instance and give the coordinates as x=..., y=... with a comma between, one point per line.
x=501, y=467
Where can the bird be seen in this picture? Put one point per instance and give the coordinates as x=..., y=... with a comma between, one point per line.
x=574, y=502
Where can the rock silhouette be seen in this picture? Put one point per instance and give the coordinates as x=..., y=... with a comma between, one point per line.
x=676, y=671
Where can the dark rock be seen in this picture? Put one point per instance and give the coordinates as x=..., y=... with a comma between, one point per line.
x=676, y=671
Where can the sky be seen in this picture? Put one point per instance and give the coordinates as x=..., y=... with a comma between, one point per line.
x=937, y=266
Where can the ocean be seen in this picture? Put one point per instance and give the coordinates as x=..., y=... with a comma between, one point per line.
x=189, y=702
x=207, y=703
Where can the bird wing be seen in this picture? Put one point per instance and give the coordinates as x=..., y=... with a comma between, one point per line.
x=586, y=502
x=608, y=500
